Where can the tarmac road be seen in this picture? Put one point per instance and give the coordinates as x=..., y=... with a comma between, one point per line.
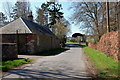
x=69, y=64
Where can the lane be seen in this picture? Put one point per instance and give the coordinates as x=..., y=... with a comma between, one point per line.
x=68, y=64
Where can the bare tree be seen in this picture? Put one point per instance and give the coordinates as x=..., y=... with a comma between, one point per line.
x=93, y=17
x=7, y=6
x=114, y=16
x=87, y=14
x=21, y=9
x=60, y=29
x=41, y=17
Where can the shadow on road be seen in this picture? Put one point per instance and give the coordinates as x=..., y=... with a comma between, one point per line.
x=47, y=79
x=75, y=45
x=51, y=52
x=27, y=74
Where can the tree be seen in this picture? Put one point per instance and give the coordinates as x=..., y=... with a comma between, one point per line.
x=53, y=10
x=87, y=14
x=59, y=25
x=3, y=19
x=114, y=16
x=41, y=17
x=7, y=6
x=21, y=9
x=93, y=17
x=61, y=30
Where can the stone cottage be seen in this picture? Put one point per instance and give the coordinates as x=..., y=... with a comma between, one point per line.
x=27, y=37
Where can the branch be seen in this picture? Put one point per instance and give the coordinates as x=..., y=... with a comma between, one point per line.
x=89, y=10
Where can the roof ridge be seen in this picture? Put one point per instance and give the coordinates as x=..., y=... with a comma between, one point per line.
x=25, y=24
x=29, y=26
x=41, y=27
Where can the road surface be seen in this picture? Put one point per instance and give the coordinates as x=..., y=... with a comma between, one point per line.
x=68, y=64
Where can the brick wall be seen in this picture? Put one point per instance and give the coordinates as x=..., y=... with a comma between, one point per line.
x=109, y=44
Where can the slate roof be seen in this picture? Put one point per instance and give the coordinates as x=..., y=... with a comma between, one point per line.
x=24, y=26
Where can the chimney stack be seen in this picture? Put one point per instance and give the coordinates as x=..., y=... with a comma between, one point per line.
x=30, y=16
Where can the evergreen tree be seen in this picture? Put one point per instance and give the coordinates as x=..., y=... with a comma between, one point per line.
x=53, y=11
x=3, y=19
x=41, y=17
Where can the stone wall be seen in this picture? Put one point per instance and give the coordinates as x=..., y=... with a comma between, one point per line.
x=46, y=42
x=9, y=51
x=108, y=44
x=32, y=43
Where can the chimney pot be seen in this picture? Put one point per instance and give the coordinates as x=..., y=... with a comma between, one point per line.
x=30, y=16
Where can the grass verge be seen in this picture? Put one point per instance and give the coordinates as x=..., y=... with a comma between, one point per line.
x=13, y=63
x=82, y=44
x=72, y=43
x=106, y=66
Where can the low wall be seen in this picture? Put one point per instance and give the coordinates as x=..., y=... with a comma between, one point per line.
x=109, y=44
x=9, y=51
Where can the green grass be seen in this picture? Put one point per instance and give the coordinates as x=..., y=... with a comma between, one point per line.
x=106, y=66
x=82, y=44
x=72, y=43
x=13, y=63
x=90, y=40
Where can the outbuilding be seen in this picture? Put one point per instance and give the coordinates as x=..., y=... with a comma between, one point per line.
x=28, y=37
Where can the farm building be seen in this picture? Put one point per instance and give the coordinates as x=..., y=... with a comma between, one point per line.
x=24, y=36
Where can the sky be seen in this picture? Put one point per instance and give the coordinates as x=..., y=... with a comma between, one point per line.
x=67, y=13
